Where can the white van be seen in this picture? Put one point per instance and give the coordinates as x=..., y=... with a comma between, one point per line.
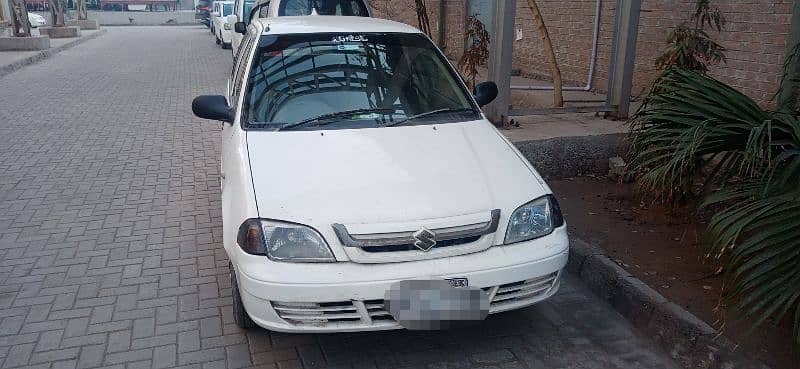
x=363, y=189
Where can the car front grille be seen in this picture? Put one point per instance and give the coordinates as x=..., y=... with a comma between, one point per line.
x=411, y=247
x=372, y=313
x=509, y=295
x=468, y=234
x=352, y=313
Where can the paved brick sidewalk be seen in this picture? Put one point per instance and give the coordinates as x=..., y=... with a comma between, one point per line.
x=110, y=249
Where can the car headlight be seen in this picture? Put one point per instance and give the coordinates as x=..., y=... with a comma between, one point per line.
x=283, y=241
x=535, y=219
x=227, y=26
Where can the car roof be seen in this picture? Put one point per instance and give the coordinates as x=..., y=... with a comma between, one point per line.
x=330, y=24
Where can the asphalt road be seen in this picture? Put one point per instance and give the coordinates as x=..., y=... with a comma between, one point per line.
x=110, y=239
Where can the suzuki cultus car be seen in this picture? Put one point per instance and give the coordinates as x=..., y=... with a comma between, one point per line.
x=363, y=189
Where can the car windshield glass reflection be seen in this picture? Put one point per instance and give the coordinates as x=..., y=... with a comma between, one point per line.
x=352, y=81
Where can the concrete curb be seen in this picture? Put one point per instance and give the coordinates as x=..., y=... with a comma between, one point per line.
x=688, y=340
x=44, y=54
x=573, y=156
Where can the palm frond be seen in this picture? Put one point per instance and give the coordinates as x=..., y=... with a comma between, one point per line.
x=684, y=125
x=757, y=237
x=691, y=123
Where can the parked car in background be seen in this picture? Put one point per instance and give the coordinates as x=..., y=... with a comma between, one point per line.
x=241, y=11
x=203, y=12
x=281, y=8
x=360, y=180
x=220, y=27
x=36, y=20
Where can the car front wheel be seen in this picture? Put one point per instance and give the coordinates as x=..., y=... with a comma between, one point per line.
x=240, y=315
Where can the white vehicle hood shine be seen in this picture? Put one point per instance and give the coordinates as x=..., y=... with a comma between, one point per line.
x=388, y=175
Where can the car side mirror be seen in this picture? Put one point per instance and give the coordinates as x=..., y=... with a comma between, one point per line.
x=485, y=92
x=240, y=27
x=213, y=107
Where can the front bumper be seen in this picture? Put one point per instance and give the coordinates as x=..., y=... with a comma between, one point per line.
x=345, y=297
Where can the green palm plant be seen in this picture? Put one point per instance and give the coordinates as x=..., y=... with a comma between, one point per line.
x=694, y=135
x=689, y=45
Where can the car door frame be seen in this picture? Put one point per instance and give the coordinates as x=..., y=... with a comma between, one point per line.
x=236, y=186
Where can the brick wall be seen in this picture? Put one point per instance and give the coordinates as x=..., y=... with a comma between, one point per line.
x=755, y=36
x=405, y=11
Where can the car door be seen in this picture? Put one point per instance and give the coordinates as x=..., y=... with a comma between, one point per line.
x=213, y=17
x=238, y=200
x=233, y=93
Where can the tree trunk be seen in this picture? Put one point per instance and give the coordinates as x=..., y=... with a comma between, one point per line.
x=80, y=7
x=57, y=12
x=789, y=93
x=558, y=96
x=422, y=17
x=19, y=18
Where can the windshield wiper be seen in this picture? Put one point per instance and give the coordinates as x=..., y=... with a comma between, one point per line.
x=432, y=112
x=335, y=115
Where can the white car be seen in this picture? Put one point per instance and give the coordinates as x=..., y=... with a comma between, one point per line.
x=244, y=10
x=240, y=9
x=359, y=177
x=36, y=20
x=219, y=23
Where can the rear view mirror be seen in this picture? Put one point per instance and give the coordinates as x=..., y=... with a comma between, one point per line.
x=485, y=92
x=240, y=27
x=213, y=107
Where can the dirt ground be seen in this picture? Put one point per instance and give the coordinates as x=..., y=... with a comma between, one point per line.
x=664, y=247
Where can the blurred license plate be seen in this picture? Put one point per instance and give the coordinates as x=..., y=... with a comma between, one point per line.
x=435, y=304
x=458, y=282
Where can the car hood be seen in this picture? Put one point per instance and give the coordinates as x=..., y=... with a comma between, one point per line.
x=388, y=175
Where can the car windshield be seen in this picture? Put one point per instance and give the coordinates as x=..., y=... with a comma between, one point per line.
x=324, y=7
x=227, y=9
x=345, y=81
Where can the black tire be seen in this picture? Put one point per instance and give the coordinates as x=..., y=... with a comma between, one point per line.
x=217, y=40
x=226, y=46
x=240, y=315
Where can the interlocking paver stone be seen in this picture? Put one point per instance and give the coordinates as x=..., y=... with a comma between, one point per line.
x=110, y=235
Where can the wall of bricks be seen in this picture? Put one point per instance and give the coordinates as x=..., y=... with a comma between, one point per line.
x=755, y=35
x=405, y=11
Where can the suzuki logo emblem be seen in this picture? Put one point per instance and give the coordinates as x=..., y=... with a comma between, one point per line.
x=425, y=239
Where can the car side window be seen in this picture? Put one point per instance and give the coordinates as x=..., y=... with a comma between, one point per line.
x=264, y=11
x=241, y=63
